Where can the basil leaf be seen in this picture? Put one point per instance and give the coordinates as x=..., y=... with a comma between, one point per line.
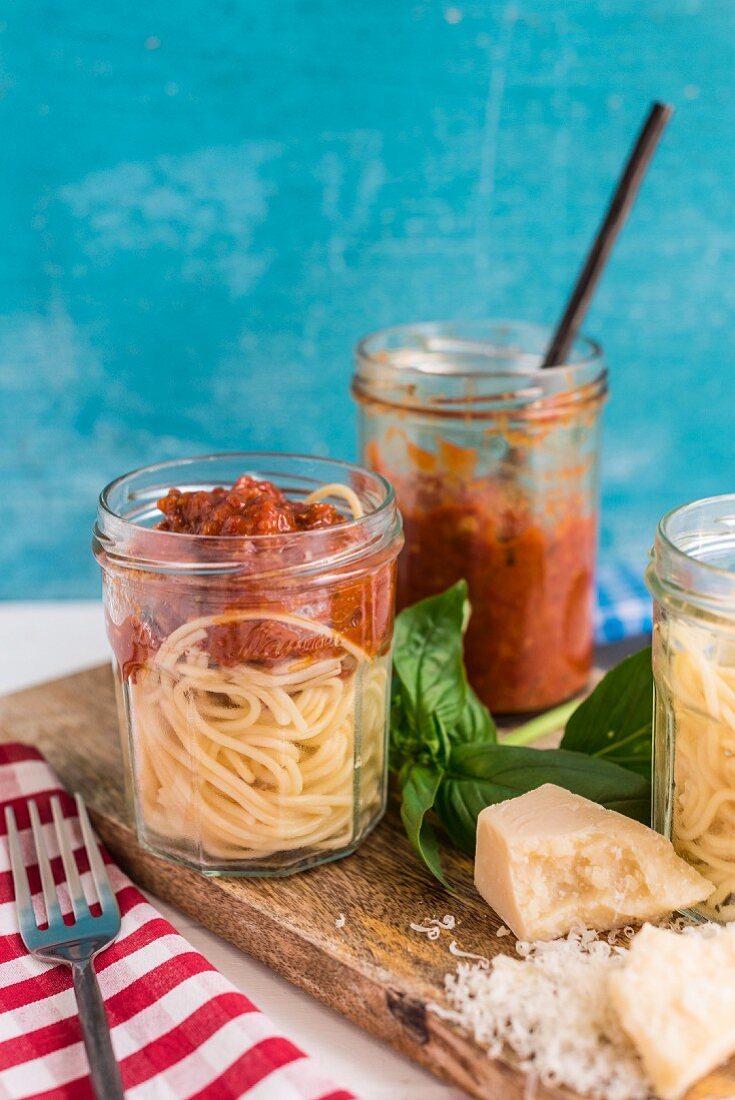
x=420, y=785
x=402, y=745
x=475, y=722
x=428, y=664
x=615, y=722
x=406, y=746
x=480, y=775
x=458, y=803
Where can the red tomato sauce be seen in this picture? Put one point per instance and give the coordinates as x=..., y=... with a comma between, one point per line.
x=357, y=605
x=529, y=642
x=250, y=507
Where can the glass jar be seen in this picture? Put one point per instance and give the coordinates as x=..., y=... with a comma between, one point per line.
x=494, y=462
x=692, y=579
x=253, y=670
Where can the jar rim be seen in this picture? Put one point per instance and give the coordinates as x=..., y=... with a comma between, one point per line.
x=126, y=541
x=592, y=354
x=678, y=566
x=481, y=367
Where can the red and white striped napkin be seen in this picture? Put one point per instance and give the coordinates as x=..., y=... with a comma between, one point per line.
x=179, y=1028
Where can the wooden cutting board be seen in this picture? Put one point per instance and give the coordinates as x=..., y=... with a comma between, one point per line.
x=375, y=970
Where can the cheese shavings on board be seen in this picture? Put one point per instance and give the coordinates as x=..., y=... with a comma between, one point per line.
x=609, y=1022
x=551, y=1011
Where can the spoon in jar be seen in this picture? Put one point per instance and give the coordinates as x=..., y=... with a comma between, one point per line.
x=614, y=220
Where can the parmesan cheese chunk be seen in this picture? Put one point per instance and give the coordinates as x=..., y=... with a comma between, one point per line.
x=674, y=996
x=548, y=860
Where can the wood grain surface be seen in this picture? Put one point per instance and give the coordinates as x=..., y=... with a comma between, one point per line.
x=375, y=970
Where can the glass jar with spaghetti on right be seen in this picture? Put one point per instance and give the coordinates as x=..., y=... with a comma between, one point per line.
x=692, y=579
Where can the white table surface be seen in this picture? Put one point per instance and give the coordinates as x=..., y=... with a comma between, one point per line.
x=42, y=640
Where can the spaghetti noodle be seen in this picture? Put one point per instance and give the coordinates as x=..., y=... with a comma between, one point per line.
x=334, y=489
x=258, y=760
x=700, y=686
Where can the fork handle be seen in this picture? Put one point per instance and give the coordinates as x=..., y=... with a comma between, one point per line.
x=103, y=1067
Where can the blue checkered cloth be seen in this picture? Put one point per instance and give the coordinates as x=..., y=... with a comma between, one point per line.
x=623, y=604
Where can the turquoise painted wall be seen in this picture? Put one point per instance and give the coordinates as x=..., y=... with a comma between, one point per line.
x=205, y=204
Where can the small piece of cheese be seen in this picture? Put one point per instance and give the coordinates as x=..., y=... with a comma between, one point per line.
x=675, y=998
x=550, y=859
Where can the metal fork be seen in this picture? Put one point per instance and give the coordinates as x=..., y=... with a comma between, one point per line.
x=73, y=944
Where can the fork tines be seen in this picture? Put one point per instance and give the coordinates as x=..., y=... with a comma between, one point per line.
x=32, y=936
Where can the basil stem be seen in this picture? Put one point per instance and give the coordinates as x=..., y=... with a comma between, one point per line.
x=549, y=722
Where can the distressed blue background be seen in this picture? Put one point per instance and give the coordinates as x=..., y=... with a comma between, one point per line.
x=205, y=203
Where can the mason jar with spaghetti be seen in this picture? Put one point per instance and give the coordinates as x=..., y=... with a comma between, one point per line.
x=249, y=601
x=494, y=462
x=691, y=576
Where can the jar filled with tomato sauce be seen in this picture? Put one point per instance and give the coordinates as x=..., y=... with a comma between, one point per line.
x=494, y=462
x=249, y=602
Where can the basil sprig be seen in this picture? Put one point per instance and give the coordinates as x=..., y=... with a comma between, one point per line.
x=444, y=745
x=614, y=722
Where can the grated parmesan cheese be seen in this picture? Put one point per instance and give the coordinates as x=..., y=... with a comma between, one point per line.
x=551, y=1009
x=432, y=928
x=481, y=960
x=431, y=932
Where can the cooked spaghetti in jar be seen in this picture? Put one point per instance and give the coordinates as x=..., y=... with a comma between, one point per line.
x=250, y=615
x=494, y=463
x=692, y=579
